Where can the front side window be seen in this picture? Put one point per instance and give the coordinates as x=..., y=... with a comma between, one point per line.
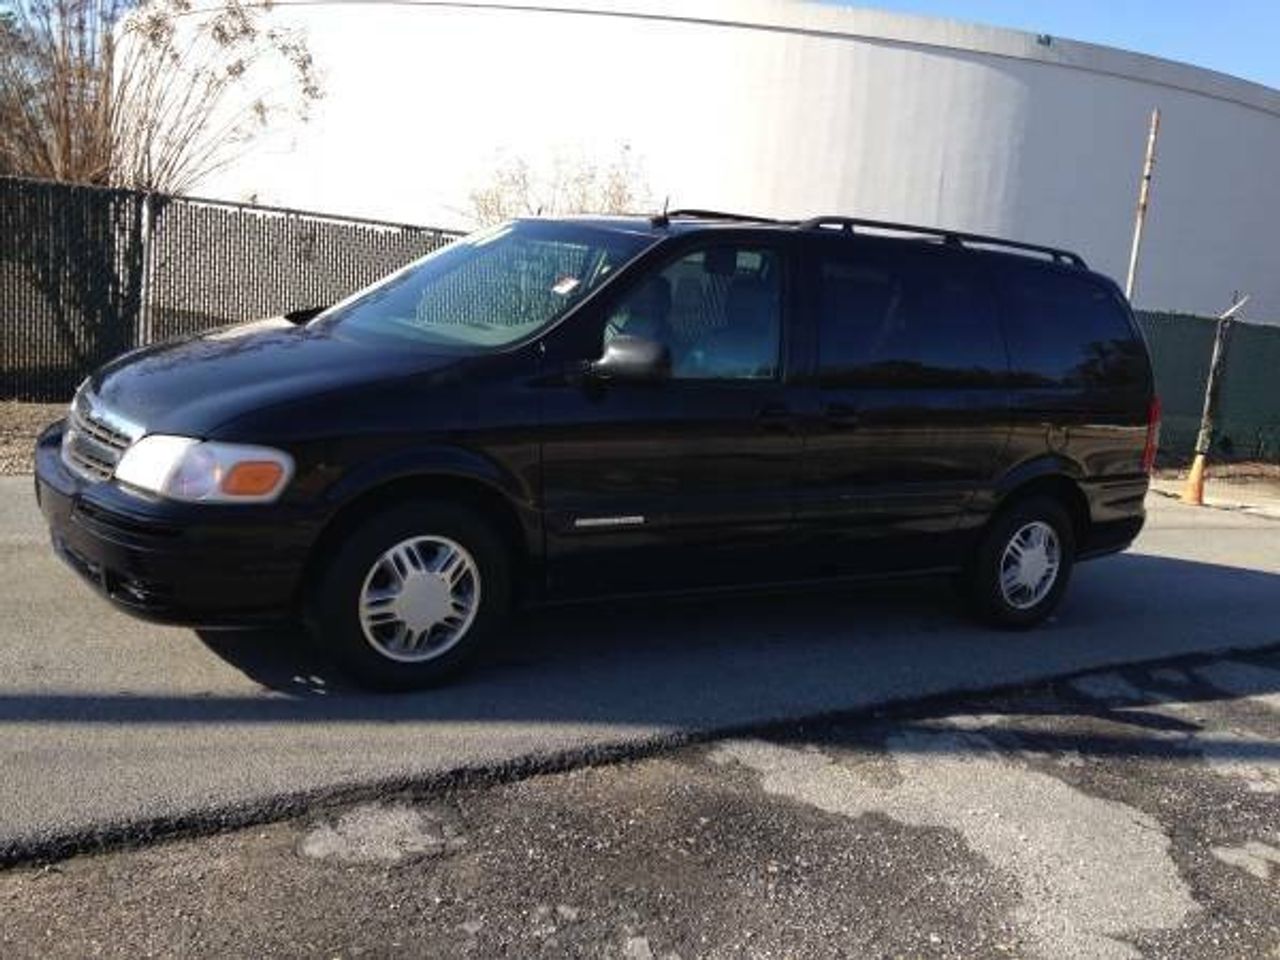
x=717, y=309
x=488, y=289
x=905, y=318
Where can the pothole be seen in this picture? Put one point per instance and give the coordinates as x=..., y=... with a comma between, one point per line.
x=382, y=834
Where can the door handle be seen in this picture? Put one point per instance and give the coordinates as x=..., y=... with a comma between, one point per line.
x=841, y=415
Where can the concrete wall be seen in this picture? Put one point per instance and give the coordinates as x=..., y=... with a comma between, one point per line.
x=794, y=109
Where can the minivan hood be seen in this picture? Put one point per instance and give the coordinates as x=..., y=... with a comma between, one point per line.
x=192, y=386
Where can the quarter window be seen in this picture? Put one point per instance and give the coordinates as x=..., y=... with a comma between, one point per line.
x=718, y=310
x=1064, y=329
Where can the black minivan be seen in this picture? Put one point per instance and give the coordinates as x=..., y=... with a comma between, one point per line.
x=560, y=409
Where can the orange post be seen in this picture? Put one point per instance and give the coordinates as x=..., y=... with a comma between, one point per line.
x=1193, y=492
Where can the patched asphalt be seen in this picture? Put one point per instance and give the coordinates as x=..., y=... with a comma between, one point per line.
x=1132, y=812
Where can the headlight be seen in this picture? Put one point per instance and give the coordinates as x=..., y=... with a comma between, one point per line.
x=204, y=471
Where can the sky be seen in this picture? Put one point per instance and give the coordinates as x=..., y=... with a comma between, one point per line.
x=1240, y=37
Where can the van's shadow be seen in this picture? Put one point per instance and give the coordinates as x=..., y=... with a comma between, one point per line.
x=730, y=661
x=289, y=661
x=716, y=661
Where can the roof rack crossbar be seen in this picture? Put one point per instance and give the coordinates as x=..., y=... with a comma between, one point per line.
x=952, y=237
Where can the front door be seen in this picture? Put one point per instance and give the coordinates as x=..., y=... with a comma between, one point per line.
x=686, y=481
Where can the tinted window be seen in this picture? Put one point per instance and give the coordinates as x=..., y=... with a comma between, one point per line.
x=1064, y=328
x=717, y=309
x=905, y=318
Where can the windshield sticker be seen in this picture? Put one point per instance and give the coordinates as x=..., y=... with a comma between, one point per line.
x=565, y=286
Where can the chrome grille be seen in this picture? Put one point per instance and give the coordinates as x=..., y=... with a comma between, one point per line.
x=95, y=439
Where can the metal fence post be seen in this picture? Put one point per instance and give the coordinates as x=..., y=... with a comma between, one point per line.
x=145, y=331
x=1194, y=491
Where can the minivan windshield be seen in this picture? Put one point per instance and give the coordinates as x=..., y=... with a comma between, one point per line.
x=490, y=288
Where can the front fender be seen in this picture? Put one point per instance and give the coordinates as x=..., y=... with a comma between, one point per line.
x=514, y=482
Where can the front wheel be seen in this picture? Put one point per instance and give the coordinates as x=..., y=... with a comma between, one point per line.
x=412, y=595
x=1021, y=569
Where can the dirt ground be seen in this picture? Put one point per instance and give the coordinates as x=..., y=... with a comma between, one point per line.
x=1259, y=477
x=20, y=423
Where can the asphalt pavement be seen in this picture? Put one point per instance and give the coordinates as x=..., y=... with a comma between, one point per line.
x=114, y=729
x=1120, y=814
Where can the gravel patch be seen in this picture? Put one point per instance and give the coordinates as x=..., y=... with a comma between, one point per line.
x=383, y=833
x=1060, y=844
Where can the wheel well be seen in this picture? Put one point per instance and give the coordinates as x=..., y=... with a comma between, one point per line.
x=475, y=494
x=1063, y=489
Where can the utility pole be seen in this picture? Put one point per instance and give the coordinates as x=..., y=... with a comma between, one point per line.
x=1194, y=491
x=1144, y=196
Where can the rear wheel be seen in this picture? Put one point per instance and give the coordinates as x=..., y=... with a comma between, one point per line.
x=412, y=595
x=1021, y=569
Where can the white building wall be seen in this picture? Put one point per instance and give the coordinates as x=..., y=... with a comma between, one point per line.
x=793, y=109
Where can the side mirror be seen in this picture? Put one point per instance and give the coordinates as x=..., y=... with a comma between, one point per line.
x=634, y=359
x=305, y=315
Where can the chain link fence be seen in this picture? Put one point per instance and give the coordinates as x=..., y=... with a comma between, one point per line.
x=87, y=273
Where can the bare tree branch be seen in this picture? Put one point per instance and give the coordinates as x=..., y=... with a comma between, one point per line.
x=149, y=94
x=571, y=183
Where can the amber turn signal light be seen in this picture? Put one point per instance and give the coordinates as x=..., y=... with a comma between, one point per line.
x=252, y=478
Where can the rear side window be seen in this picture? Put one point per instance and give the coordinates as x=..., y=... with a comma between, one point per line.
x=905, y=318
x=1065, y=329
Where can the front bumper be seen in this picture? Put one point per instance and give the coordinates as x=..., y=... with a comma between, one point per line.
x=193, y=564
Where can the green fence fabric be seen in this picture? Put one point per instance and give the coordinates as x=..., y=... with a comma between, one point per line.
x=1247, y=426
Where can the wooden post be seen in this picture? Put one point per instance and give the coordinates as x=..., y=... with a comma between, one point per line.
x=1193, y=493
x=1144, y=197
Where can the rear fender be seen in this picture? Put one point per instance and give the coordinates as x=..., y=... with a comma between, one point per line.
x=1049, y=465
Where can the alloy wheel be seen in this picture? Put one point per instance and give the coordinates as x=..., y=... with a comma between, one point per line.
x=419, y=599
x=1029, y=565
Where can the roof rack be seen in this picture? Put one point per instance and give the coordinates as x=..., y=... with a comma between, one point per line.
x=950, y=237
x=661, y=219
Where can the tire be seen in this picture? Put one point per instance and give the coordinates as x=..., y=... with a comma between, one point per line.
x=389, y=617
x=1036, y=524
